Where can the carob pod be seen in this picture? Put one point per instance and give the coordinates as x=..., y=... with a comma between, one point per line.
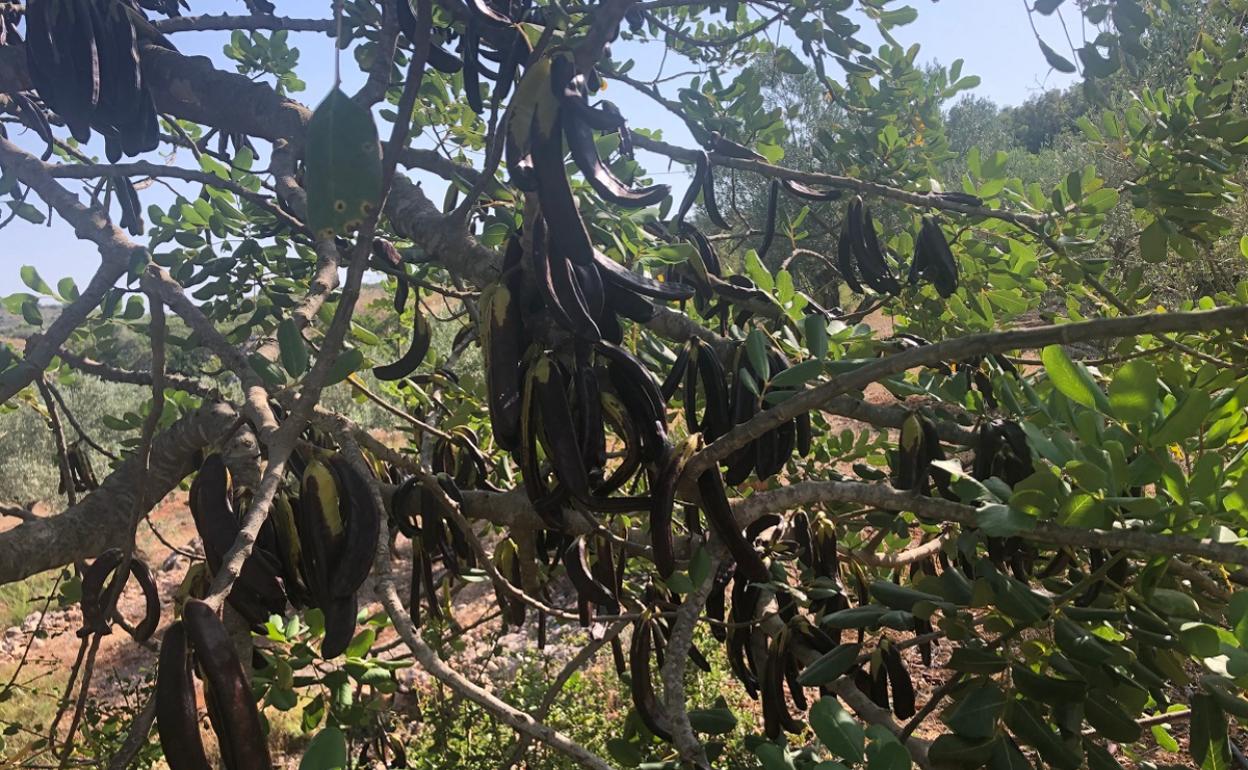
x=520, y=171
x=845, y=259
x=99, y=601
x=746, y=598
x=615, y=274
x=750, y=564
x=483, y=11
x=707, y=370
x=701, y=168
x=726, y=146
x=547, y=501
x=580, y=138
x=617, y=415
x=131, y=208
x=560, y=288
x=470, y=49
x=37, y=118
x=808, y=193
x=769, y=229
x=62, y=59
x=776, y=716
x=567, y=229
x=676, y=375
x=899, y=682
x=257, y=593
x=503, y=342
x=715, y=601
x=872, y=265
x=422, y=338
x=177, y=717
x=243, y=745
x=641, y=396
x=591, y=426
x=644, y=699
x=557, y=427
x=363, y=528
x=576, y=563
x=517, y=53
x=934, y=260
x=663, y=483
x=625, y=303
x=121, y=76
x=323, y=536
x=440, y=59
x=708, y=199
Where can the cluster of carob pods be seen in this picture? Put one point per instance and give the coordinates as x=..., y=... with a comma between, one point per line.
x=563, y=389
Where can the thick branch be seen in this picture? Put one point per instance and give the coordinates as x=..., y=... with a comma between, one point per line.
x=959, y=349
x=882, y=496
x=102, y=520
x=226, y=22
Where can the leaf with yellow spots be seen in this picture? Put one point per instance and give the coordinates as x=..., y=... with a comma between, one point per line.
x=342, y=166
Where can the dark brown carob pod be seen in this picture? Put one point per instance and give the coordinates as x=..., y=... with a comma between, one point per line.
x=177, y=719
x=773, y=210
x=243, y=744
x=644, y=699
x=422, y=337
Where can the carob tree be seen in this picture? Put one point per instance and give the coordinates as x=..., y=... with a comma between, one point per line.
x=1059, y=539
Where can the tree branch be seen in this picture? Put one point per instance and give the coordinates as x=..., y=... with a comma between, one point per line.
x=101, y=521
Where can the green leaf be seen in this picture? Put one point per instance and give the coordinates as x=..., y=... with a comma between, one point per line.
x=1055, y=59
x=898, y=17
x=815, y=329
x=1072, y=379
x=342, y=166
x=1110, y=720
x=773, y=757
x=976, y=715
x=1006, y=756
x=267, y=370
x=699, y=566
x=885, y=752
x=293, y=349
x=1030, y=729
x=758, y=272
x=1133, y=391
x=830, y=666
x=327, y=751
x=67, y=289
x=798, y=375
x=1210, y=746
x=627, y=753
x=1153, y=243
x=134, y=309
x=362, y=643
x=30, y=277
x=31, y=314
x=756, y=349
x=349, y=362
x=787, y=62
x=26, y=211
x=969, y=660
x=1046, y=6
x=954, y=751
x=837, y=730
x=997, y=520
x=716, y=721
x=1184, y=421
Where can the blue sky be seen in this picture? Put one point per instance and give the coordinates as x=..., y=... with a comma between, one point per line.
x=992, y=36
